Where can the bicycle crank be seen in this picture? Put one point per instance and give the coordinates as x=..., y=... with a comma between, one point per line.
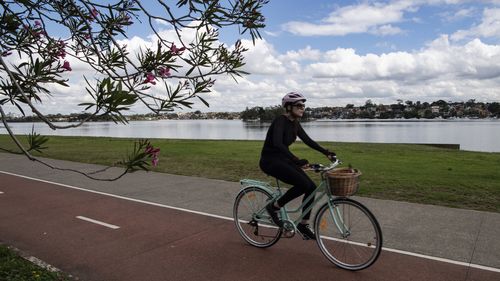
x=288, y=229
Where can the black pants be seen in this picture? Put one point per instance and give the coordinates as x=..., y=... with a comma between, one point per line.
x=286, y=171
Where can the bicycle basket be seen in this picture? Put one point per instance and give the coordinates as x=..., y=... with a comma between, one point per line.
x=343, y=181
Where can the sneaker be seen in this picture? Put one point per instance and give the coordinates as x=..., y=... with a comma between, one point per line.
x=306, y=231
x=273, y=212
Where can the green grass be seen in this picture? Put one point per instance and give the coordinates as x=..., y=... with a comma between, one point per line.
x=15, y=268
x=412, y=173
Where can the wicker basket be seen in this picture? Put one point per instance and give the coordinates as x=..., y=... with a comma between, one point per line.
x=343, y=181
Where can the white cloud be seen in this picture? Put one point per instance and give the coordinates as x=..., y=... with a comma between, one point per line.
x=303, y=54
x=488, y=28
x=386, y=30
x=459, y=15
x=439, y=60
x=375, y=18
x=272, y=34
x=440, y=70
x=261, y=58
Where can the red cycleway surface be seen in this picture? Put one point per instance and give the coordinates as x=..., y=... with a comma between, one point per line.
x=156, y=243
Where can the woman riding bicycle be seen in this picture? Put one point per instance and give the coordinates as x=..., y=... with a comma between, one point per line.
x=277, y=160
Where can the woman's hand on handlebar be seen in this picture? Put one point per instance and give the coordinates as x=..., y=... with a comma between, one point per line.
x=312, y=167
x=331, y=156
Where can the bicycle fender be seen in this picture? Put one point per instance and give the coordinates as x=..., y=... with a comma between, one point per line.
x=264, y=185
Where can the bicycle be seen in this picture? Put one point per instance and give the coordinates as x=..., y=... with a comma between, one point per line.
x=347, y=233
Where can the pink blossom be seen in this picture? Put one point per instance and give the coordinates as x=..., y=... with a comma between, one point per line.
x=87, y=36
x=38, y=23
x=175, y=50
x=153, y=153
x=154, y=162
x=66, y=65
x=164, y=72
x=150, y=78
x=94, y=12
x=151, y=150
x=61, y=54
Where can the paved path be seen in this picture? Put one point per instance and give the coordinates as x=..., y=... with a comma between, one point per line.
x=155, y=243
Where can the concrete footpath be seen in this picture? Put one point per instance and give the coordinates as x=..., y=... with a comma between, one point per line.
x=458, y=236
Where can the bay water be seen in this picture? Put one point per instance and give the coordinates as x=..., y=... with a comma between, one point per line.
x=474, y=135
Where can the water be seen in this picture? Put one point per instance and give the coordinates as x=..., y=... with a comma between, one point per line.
x=474, y=135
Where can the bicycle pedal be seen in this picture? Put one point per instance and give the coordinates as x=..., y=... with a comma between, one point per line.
x=288, y=233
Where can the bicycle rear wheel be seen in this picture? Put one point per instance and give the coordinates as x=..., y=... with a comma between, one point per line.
x=348, y=234
x=252, y=220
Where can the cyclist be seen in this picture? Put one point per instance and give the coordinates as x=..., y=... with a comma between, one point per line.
x=277, y=160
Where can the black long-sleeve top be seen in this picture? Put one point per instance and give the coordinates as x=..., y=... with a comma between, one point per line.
x=282, y=133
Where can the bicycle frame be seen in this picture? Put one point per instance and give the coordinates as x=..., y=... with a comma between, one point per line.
x=323, y=189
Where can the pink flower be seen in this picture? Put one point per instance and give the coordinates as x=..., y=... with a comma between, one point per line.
x=150, y=78
x=153, y=153
x=175, y=50
x=66, y=65
x=164, y=72
x=38, y=23
x=151, y=150
x=61, y=54
x=94, y=12
x=154, y=162
x=87, y=36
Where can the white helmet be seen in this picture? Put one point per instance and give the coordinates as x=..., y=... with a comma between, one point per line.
x=292, y=97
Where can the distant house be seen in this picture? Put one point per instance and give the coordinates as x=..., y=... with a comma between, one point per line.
x=435, y=108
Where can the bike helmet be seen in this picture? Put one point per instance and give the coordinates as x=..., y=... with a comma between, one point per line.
x=291, y=98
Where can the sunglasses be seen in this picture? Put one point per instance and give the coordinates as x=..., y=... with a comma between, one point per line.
x=300, y=105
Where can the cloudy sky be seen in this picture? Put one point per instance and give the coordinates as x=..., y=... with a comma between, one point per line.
x=340, y=52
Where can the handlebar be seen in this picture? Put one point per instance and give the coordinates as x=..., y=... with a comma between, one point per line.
x=322, y=168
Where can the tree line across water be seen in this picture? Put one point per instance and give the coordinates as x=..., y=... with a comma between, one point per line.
x=370, y=110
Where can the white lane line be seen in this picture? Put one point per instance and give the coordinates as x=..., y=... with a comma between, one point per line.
x=98, y=222
x=1, y=192
x=478, y=266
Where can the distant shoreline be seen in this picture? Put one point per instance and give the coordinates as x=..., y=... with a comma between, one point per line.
x=268, y=121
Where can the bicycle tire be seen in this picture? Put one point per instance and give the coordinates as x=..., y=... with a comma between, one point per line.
x=252, y=221
x=348, y=235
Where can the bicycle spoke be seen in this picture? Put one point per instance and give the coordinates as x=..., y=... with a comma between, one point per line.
x=250, y=219
x=347, y=234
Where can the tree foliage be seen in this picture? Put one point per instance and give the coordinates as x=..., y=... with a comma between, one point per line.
x=34, y=56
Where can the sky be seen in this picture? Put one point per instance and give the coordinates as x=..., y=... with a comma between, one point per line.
x=347, y=52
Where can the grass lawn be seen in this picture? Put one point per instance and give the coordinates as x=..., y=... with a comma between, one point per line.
x=15, y=268
x=413, y=173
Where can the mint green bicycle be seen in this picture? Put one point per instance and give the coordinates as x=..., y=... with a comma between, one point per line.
x=347, y=233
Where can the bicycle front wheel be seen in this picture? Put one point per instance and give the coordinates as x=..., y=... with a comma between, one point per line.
x=348, y=234
x=252, y=220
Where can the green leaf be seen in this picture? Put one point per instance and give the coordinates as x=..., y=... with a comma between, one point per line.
x=36, y=141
